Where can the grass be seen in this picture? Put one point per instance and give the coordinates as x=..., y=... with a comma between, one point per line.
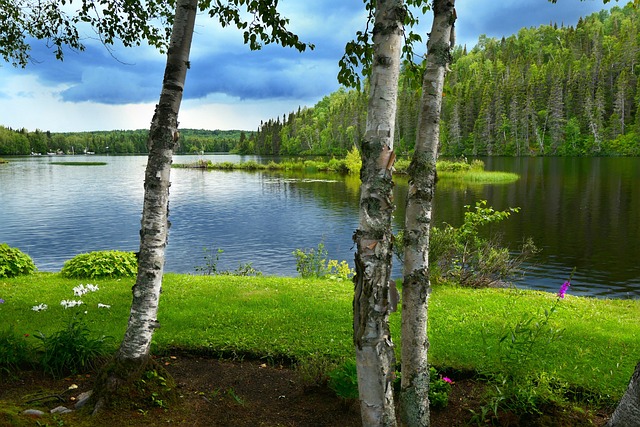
x=306, y=319
x=451, y=172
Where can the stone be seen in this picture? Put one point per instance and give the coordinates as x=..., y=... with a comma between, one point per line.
x=83, y=398
x=60, y=410
x=33, y=413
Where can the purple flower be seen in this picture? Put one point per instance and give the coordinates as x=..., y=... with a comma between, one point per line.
x=1, y=301
x=563, y=289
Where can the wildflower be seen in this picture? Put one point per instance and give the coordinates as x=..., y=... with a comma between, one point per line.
x=1, y=301
x=100, y=305
x=563, y=289
x=70, y=303
x=81, y=289
x=40, y=307
x=447, y=380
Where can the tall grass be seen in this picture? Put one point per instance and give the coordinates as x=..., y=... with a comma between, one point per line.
x=308, y=319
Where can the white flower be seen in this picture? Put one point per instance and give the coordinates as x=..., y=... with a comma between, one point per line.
x=40, y=307
x=70, y=303
x=100, y=305
x=81, y=289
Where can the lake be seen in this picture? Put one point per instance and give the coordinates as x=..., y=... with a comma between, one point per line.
x=582, y=213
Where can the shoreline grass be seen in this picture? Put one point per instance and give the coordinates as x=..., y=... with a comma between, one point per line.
x=309, y=320
x=457, y=171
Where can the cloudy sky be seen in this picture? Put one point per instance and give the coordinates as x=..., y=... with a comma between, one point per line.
x=228, y=86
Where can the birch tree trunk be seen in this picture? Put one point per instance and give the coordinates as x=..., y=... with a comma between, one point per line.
x=414, y=395
x=133, y=354
x=372, y=301
x=627, y=413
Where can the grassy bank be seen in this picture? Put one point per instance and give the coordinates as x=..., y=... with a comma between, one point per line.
x=303, y=319
x=456, y=171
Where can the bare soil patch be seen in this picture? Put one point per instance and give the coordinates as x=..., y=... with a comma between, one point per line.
x=250, y=393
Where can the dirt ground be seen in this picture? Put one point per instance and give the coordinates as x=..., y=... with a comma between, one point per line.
x=236, y=394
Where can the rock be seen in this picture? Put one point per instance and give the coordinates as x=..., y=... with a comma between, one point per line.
x=83, y=398
x=60, y=410
x=33, y=413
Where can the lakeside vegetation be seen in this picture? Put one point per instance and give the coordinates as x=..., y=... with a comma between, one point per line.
x=308, y=322
x=459, y=170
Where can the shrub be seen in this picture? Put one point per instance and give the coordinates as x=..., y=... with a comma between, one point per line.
x=344, y=381
x=13, y=262
x=14, y=351
x=462, y=255
x=71, y=349
x=98, y=264
x=314, y=263
x=353, y=162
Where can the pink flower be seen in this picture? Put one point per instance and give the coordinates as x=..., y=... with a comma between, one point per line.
x=447, y=380
x=563, y=289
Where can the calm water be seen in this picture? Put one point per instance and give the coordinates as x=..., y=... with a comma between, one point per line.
x=580, y=212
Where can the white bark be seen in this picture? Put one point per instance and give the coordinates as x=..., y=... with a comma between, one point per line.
x=414, y=397
x=163, y=138
x=627, y=413
x=375, y=356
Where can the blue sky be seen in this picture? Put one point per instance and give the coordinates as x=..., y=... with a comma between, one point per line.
x=228, y=86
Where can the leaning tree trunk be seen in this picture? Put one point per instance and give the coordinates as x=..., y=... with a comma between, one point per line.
x=133, y=354
x=627, y=413
x=414, y=394
x=375, y=356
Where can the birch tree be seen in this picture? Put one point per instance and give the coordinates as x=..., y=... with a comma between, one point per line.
x=267, y=26
x=414, y=395
x=133, y=355
x=373, y=296
x=627, y=413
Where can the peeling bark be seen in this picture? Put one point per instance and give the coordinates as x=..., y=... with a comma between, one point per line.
x=375, y=356
x=163, y=139
x=627, y=413
x=414, y=394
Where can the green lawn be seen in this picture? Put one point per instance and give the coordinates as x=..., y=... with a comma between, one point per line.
x=305, y=319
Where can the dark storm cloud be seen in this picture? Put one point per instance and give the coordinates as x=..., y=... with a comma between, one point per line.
x=221, y=64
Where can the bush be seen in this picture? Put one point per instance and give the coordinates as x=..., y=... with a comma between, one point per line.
x=15, y=353
x=314, y=263
x=108, y=264
x=71, y=349
x=13, y=262
x=462, y=255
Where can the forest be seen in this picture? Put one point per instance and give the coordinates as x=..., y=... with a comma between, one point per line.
x=551, y=90
x=554, y=90
x=23, y=142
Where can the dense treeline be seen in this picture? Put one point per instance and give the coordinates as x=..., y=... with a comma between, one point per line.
x=551, y=90
x=22, y=142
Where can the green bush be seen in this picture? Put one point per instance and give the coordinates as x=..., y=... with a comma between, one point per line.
x=462, y=255
x=71, y=349
x=13, y=262
x=344, y=381
x=15, y=353
x=108, y=264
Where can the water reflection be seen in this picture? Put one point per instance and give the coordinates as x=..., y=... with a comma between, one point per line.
x=582, y=213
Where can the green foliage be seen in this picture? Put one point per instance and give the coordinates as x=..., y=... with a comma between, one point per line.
x=15, y=352
x=13, y=262
x=461, y=254
x=515, y=385
x=71, y=349
x=313, y=263
x=210, y=267
x=439, y=389
x=344, y=381
x=101, y=264
x=353, y=161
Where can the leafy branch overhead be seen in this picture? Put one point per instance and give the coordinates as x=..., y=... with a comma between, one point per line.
x=59, y=22
x=358, y=53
